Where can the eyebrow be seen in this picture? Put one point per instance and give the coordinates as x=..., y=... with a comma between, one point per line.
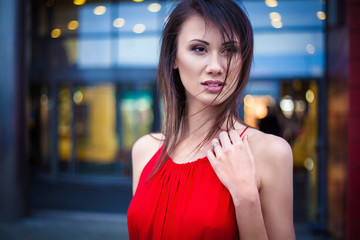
x=199, y=40
x=207, y=43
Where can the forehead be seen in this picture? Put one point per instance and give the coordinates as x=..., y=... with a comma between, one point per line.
x=195, y=27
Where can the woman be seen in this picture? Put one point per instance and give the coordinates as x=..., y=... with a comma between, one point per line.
x=208, y=176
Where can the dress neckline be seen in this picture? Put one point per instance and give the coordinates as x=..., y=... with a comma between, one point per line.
x=200, y=159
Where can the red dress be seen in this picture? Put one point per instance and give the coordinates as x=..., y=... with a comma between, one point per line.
x=181, y=201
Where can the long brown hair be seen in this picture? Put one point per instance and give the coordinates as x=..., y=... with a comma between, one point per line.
x=233, y=24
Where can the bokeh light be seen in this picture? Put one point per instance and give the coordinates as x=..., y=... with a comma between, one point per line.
x=119, y=22
x=321, y=15
x=56, y=33
x=139, y=28
x=100, y=10
x=154, y=7
x=79, y=2
x=271, y=3
x=73, y=25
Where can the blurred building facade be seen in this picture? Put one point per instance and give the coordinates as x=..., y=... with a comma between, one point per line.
x=78, y=87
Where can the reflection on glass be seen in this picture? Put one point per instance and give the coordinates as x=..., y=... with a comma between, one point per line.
x=44, y=126
x=94, y=53
x=305, y=146
x=64, y=123
x=102, y=141
x=91, y=23
x=137, y=116
x=94, y=123
x=127, y=34
x=136, y=51
x=256, y=108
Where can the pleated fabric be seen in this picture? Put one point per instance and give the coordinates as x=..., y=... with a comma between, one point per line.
x=181, y=201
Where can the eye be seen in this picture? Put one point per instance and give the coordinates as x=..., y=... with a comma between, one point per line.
x=198, y=49
x=230, y=50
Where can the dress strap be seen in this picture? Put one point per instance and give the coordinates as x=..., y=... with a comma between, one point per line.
x=244, y=131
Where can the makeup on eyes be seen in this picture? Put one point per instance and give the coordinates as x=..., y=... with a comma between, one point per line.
x=230, y=47
x=198, y=49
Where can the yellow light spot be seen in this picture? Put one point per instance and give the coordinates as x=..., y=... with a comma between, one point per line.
x=321, y=15
x=261, y=111
x=154, y=7
x=310, y=96
x=276, y=24
x=271, y=3
x=138, y=0
x=249, y=101
x=79, y=2
x=78, y=97
x=309, y=164
x=100, y=10
x=139, y=28
x=73, y=25
x=119, y=22
x=55, y=33
x=275, y=16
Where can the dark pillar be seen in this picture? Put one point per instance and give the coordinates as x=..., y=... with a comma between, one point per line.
x=343, y=76
x=353, y=190
x=13, y=158
x=337, y=115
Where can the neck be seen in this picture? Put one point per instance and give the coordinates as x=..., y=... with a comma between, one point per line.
x=198, y=122
x=196, y=126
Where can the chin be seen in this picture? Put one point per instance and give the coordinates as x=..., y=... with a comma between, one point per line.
x=213, y=101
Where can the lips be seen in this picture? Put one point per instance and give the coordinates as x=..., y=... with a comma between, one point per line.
x=213, y=86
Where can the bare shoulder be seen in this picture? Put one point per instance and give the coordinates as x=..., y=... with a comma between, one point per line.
x=274, y=165
x=270, y=152
x=145, y=147
x=143, y=150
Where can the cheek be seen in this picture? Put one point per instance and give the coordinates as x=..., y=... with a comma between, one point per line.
x=234, y=72
x=233, y=78
x=236, y=65
x=187, y=67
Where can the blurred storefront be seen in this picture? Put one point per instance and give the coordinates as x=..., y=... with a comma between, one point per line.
x=91, y=92
x=92, y=89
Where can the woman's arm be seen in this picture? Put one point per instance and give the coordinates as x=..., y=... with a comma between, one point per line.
x=276, y=192
x=143, y=149
x=234, y=164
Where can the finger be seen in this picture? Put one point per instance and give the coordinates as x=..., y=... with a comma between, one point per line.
x=235, y=137
x=247, y=145
x=216, y=146
x=210, y=155
x=224, y=139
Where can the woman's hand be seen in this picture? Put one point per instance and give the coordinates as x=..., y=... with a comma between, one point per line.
x=233, y=163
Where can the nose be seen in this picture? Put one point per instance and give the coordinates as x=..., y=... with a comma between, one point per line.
x=215, y=65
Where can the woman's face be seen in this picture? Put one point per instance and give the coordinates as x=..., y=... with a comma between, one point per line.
x=202, y=60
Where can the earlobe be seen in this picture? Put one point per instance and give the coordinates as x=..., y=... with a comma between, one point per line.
x=175, y=66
